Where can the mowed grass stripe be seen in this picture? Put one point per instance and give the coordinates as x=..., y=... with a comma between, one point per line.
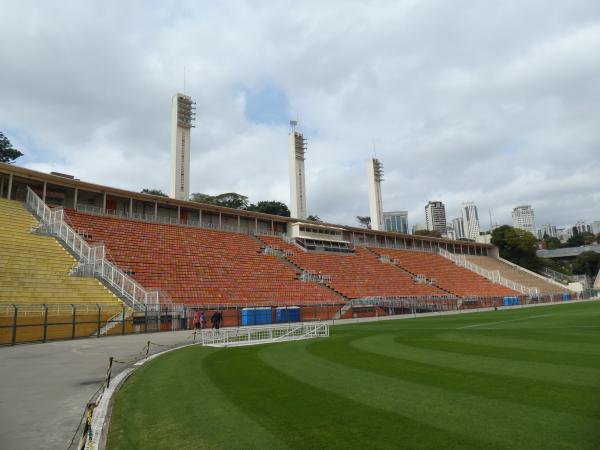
x=308, y=417
x=170, y=402
x=401, y=347
x=558, y=397
x=532, y=342
x=362, y=389
x=495, y=349
x=500, y=422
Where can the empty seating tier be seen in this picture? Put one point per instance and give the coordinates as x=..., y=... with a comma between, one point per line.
x=199, y=266
x=518, y=276
x=34, y=269
x=446, y=274
x=356, y=275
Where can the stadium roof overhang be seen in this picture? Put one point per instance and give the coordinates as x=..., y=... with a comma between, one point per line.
x=73, y=183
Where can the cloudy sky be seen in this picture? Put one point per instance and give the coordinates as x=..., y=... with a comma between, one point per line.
x=492, y=102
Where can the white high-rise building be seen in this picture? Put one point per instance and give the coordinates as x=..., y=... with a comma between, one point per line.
x=435, y=216
x=396, y=221
x=549, y=230
x=296, y=152
x=470, y=220
x=458, y=227
x=450, y=234
x=582, y=227
x=524, y=218
x=182, y=120
x=595, y=226
x=375, y=174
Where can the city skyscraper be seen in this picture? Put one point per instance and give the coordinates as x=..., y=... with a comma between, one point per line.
x=524, y=218
x=459, y=228
x=435, y=216
x=470, y=220
x=549, y=230
x=396, y=221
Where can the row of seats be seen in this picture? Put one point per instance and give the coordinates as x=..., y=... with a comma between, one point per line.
x=447, y=275
x=34, y=269
x=356, y=275
x=518, y=276
x=199, y=266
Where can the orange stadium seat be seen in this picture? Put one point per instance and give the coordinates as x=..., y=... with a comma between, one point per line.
x=199, y=266
x=447, y=275
x=356, y=275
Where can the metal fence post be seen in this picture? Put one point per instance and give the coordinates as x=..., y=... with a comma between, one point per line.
x=74, y=311
x=45, y=322
x=99, y=319
x=145, y=319
x=123, y=321
x=14, y=330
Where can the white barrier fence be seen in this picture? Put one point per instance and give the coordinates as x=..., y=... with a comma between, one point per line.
x=263, y=334
x=492, y=275
x=91, y=258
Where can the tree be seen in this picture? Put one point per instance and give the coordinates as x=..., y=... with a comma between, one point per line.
x=228, y=199
x=314, y=218
x=518, y=246
x=202, y=198
x=552, y=242
x=579, y=239
x=153, y=192
x=271, y=207
x=7, y=152
x=430, y=233
x=364, y=221
x=231, y=200
x=587, y=263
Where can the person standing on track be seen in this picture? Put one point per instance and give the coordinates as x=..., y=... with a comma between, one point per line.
x=197, y=322
x=216, y=319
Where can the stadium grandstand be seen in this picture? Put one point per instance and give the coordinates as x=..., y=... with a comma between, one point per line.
x=167, y=258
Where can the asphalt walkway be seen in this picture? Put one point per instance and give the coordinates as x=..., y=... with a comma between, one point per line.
x=45, y=387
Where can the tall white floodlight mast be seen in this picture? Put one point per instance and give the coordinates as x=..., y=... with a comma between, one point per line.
x=296, y=151
x=375, y=172
x=182, y=120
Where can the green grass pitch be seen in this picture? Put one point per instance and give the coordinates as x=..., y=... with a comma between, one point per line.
x=511, y=379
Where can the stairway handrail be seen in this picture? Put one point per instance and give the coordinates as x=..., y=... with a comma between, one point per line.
x=95, y=256
x=492, y=275
x=532, y=273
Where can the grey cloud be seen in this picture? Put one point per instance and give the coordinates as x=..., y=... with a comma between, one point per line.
x=494, y=102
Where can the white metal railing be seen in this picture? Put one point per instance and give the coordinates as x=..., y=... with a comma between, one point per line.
x=387, y=260
x=307, y=275
x=230, y=337
x=91, y=258
x=276, y=251
x=537, y=275
x=492, y=275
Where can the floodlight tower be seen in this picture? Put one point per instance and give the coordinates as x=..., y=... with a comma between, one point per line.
x=183, y=115
x=375, y=173
x=296, y=151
